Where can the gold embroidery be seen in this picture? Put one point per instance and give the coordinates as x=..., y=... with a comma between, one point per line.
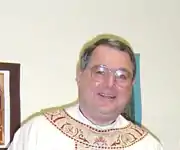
x=90, y=138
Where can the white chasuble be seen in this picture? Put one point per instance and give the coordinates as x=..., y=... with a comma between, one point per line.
x=68, y=129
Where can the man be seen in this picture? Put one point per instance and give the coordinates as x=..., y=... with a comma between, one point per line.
x=105, y=77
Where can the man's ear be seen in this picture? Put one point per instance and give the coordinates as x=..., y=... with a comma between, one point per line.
x=133, y=82
x=78, y=73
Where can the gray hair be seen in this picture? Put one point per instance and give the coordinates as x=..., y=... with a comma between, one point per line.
x=118, y=44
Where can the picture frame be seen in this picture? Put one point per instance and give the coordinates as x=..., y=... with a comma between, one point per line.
x=10, y=117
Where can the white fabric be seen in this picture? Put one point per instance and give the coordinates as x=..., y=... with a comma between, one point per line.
x=40, y=134
x=120, y=121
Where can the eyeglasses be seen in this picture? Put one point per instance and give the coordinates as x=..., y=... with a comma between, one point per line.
x=101, y=73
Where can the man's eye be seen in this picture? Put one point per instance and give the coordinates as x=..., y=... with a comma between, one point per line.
x=100, y=72
x=121, y=75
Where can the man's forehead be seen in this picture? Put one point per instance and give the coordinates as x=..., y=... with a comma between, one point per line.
x=111, y=58
x=103, y=53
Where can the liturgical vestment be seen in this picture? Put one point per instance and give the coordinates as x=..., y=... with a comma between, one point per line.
x=68, y=129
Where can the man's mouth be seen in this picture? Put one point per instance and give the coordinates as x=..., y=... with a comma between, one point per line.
x=105, y=95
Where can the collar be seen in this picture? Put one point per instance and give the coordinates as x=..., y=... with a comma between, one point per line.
x=74, y=112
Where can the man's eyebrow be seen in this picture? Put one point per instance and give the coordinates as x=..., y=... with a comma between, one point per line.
x=124, y=69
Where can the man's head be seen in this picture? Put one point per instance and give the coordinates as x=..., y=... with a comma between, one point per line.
x=105, y=77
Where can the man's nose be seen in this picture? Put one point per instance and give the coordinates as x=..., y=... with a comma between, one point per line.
x=110, y=80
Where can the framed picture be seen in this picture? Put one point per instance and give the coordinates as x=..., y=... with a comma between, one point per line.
x=9, y=102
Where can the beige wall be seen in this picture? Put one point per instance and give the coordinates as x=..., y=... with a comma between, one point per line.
x=46, y=36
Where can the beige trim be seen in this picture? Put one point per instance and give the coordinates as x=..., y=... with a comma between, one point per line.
x=87, y=137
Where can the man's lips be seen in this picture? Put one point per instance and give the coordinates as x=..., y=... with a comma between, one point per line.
x=106, y=95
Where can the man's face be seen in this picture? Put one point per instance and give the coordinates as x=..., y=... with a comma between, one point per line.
x=103, y=92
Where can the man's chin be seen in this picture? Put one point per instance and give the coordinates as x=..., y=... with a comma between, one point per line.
x=106, y=111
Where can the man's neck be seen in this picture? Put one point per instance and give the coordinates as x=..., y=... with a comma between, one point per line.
x=97, y=122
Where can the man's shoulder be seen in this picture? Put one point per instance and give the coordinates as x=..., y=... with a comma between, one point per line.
x=40, y=114
x=36, y=119
x=152, y=141
x=149, y=139
x=141, y=135
x=38, y=122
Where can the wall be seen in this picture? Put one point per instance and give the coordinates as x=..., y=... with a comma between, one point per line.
x=45, y=36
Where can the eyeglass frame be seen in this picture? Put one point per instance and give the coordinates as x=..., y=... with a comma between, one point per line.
x=114, y=71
